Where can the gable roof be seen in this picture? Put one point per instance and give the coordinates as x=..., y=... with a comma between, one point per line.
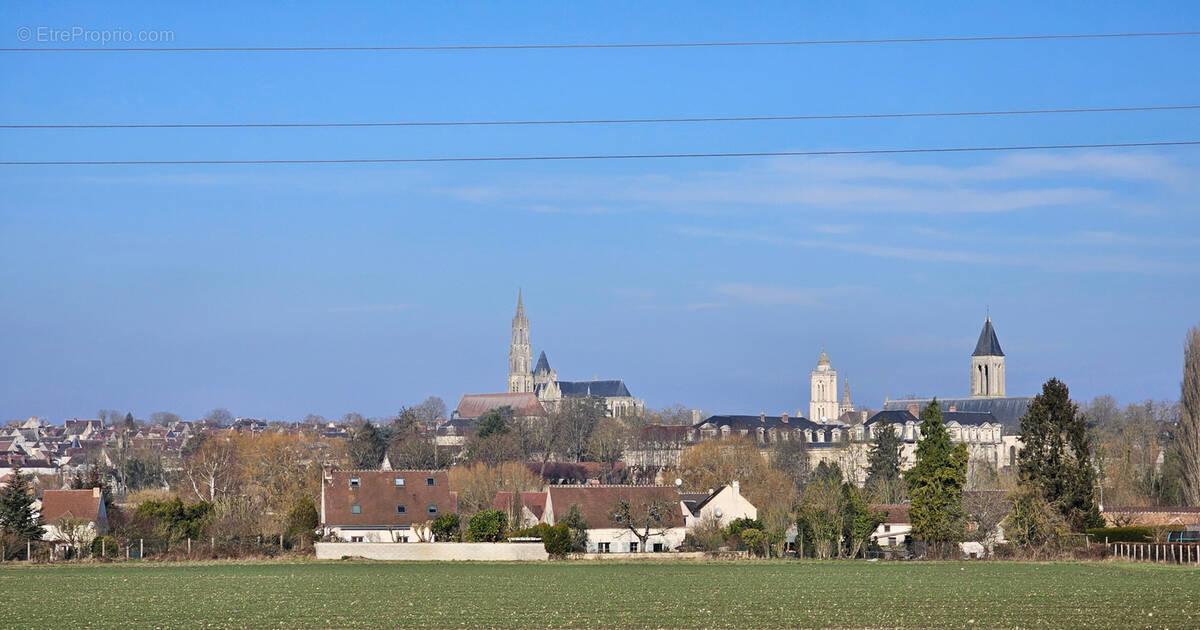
x=84, y=504
x=535, y=501
x=523, y=404
x=896, y=512
x=378, y=496
x=596, y=503
x=988, y=345
x=603, y=389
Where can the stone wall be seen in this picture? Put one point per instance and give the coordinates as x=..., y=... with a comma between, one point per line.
x=433, y=551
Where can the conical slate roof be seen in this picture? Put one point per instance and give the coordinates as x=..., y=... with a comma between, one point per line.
x=988, y=345
x=543, y=365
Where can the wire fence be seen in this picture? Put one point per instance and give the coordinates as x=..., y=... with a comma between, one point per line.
x=110, y=548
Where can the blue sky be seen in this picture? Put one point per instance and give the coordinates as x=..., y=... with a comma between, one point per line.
x=277, y=291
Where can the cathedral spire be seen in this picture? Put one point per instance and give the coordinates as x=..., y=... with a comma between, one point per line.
x=520, y=353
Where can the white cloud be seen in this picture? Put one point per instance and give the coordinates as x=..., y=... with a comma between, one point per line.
x=763, y=295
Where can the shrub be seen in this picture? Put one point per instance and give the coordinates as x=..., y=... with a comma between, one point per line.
x=1122, y=534
x=303, y=518
x=579, y=528
x=446, y=526
x=488, y=526
x=106, y=545
x=537, y=531
x=753, y=538
x=557, y=540
x=173, y=520
x=735, y=527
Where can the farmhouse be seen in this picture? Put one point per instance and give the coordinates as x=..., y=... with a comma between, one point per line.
x=73, y=516
x=384, y=505
x=724, y=504
x=654, y=512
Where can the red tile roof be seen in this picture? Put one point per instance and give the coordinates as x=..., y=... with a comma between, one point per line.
x=378, y=497
x=596, y=503
x=83, y=504
x=523, y=405
x=535, y=501
x=896, y=512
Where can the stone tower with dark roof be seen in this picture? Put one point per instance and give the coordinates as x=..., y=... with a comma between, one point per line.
x=520, y=353
x=823, y=402
x=987, y=364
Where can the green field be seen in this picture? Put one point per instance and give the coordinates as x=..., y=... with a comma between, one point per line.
x=786, y=594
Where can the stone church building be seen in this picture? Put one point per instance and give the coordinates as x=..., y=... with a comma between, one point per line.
x=542, y=380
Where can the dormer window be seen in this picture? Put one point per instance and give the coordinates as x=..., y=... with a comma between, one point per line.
x=354, y=482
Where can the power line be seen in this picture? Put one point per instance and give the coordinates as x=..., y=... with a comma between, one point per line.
x=470, y=47
x=600, y=121
x=634, y=156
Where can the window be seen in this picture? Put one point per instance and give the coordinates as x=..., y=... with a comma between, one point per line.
x=429, y=481
x=887, y=528
x=658, y=547
x=354, y=482
x=603, y=547
x=891, y=542
x=356, y=539
x=633, y=547
x=433, y=509
x=399, y=482
x=402, y=509
x=356, y=509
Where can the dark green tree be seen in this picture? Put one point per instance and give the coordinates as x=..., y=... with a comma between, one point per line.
x=129, y=424
x=488, y=526
x=446, y=527
x=494, y=422
x=366, y=447
x=883, y=461
x=303, y=519
x=578, y=526
x=826, y=472
x=1056, y=456
x=857, y=519
x=935, y=484
x=16, y=507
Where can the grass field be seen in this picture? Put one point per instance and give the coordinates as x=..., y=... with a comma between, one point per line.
x=617, y=595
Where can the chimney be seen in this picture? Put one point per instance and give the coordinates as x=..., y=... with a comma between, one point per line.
x=710, y=491
x=914, y=409
x=95, y=493
x=784, y=418
x=953, y=408
x=762, y=417
x=737, y=487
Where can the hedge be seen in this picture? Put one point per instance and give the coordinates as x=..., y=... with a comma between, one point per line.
x=1124, y=534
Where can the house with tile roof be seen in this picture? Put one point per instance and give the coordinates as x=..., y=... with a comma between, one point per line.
x=384, y=505
x=75, y=516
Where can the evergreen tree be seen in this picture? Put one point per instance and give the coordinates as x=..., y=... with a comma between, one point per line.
x=935, y=484
x=883, y=465
x=16, y=507
x=366, y=447
x=129, y=425
x=1056, y=457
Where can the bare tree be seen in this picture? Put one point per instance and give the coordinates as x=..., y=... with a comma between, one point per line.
x=1189, y=417
x=644, y=519
x=430, y=410
x=164, y=418
x=219, y=416
x=607, y=444
x=212, y=472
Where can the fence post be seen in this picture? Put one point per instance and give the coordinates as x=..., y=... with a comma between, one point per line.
x=189, y=547
x=102, y=550
x=28, y=552
x=212, y=545
x=141, y=549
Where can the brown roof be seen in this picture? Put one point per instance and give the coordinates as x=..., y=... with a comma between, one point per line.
x=83, y=504
x=596, y=503
x=378, y=497
x=896, y=512
x=535, y=501
x=523, y=405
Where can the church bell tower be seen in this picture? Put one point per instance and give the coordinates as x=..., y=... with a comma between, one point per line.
x=987, y=365
x=520, y=353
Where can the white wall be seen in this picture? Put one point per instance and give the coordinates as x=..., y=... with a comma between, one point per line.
x=433, y=551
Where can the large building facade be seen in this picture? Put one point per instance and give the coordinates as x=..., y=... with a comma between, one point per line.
x=542, y=380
